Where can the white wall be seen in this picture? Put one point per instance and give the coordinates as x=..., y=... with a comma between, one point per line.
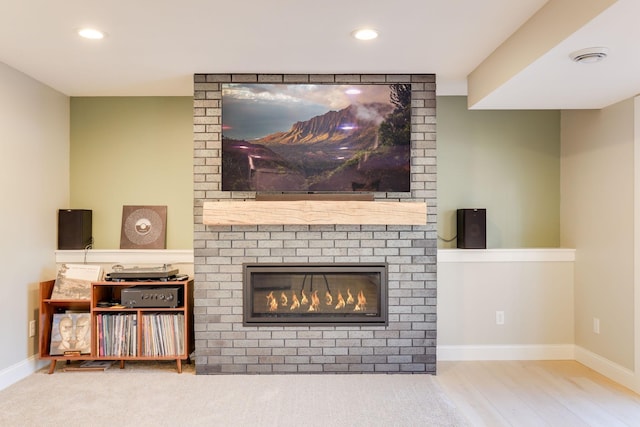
x=598, y=219
x=34, y=177
x=534, y=289
x=636, y=258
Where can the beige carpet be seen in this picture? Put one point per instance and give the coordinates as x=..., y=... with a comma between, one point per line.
x=153, y=394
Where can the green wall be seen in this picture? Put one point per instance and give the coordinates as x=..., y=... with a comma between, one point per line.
x=507, y=162
x=139, y=151
x=133, y=151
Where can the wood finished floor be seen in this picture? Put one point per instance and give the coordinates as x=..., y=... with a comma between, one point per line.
x=537, y=393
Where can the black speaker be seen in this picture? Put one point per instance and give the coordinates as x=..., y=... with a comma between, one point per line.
x=472, y=228
x=74, y=228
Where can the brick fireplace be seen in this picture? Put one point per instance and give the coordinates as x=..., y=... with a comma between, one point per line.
x=404, y=342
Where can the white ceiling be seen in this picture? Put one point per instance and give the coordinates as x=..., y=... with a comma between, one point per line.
x=154, y=47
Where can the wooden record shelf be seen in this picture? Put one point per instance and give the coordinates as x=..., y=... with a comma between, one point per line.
x=166, y=343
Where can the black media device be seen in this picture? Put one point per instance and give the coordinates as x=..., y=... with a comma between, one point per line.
x=316, y=138
x=152, y=296
x=472, y=228
x=74, y=228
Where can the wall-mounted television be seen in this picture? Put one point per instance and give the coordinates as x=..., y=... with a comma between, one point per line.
x=316, y=137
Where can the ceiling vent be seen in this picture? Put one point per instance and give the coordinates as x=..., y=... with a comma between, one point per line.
x=589, y=55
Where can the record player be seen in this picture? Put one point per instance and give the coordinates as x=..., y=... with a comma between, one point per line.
x=161, y=273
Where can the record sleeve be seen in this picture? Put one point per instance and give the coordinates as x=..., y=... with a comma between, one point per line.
x=143, y=227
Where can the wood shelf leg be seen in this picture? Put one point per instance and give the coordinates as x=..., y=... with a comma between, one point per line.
x=179, y=365
x=52, y=366
x=122, y=364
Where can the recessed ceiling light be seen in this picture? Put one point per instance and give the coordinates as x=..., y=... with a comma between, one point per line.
x=365, y=33
x=91, y=33
x=589, y=55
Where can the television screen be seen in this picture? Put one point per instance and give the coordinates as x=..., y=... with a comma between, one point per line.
x=316, y=138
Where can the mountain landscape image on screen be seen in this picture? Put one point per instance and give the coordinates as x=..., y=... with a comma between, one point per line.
x=362, y=146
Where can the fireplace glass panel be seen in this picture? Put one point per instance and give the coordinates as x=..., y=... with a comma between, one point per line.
x=312, y=294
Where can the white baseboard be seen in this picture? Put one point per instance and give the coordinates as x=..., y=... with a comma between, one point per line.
x=609, y=369
x=506, y=352
x=20, y=370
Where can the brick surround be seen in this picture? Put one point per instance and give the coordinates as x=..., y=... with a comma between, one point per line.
x=225, y=346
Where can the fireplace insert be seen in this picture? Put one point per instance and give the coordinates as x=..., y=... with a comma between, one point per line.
x=311, y=294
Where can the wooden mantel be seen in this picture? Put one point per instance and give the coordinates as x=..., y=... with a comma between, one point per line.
x=314, y=212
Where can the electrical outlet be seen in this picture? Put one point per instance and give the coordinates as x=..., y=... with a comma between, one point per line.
x=596, y=325
x=32, y=328
x=499, y=317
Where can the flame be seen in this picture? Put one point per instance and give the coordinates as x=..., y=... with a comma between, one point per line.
x=315, y=301
x=269, y=298
x=304, y=300
x=295, y=303
x=283, y=299
x=362, y=302
x=340, y=303
x=349, y=297
x=328, y=298
x=271, y=302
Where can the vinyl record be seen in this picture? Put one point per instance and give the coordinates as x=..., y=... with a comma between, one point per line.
x=143, y=227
